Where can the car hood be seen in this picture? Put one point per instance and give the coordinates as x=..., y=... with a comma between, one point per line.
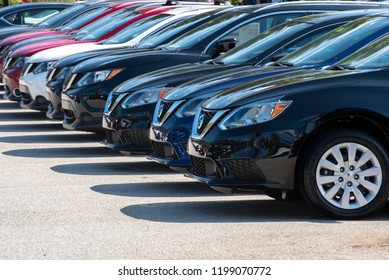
x=43, y=45
x=139, y=57
x=74, y=59
x=27, y=35
x=278, y=86
x=168, y=77
x=57, y=53
x=221, y=79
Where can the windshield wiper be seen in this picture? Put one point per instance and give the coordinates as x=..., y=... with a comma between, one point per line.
x=342, y=67
x=282, y=64
x=211, y=61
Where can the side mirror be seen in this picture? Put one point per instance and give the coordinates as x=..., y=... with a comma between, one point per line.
x=225, y=45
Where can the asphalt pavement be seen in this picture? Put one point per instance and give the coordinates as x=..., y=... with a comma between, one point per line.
x=63, y=195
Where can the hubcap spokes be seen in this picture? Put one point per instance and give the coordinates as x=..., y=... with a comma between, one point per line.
x=348, y=175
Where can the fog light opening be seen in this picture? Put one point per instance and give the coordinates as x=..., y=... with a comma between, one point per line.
x=86, y=118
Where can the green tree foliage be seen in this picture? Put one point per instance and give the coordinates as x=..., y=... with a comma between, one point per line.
x=235, y=2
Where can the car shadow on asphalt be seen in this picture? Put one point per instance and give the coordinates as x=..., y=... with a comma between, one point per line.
x=157, y=189
x=32, y=127
x=227, y=211
x=9, y=105
x=113, y=168
x=236, y=211
x=24, y=116
x=67, y=152
x=53, y=138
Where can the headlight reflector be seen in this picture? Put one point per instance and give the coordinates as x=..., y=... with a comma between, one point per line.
x=41, y=67
x=254, y=113
x=97, y=77
x=144, y=97
x=190, y=107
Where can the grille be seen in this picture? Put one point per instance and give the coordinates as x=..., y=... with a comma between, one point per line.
x=208, y=115
x=166, y=106
x=32, y=68
x=52, y=73
x=163, y=150
x=204, y=167
x=112, y=100
x=245, y=169
x=135, y=137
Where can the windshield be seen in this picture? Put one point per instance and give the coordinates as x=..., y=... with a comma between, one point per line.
x=335, y=42
x=203, y=31
x=136, y=28
x=373, y=55
x=171, y=30
x=261, y=43
x=63, y=14
x=106, y=24
x=83, y=18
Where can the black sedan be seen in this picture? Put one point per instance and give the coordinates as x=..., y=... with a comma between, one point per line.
x=60, y=69
x=90, y=82
x=322, y=133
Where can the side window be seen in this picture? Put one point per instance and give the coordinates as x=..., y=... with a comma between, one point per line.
x=257, y=26
x=37, y=15
x=303, y=41
x=14, y=18
x=30, y=16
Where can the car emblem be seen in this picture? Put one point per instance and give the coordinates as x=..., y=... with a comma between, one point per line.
x=200, y=122
x=160, y=110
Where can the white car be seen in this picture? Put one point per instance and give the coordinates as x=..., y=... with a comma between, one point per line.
x=33, y=77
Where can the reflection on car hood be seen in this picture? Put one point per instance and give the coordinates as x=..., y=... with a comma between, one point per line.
x=273, y=86
x=166, y=76
x=221, y=79
x=121, y=60
x=74, y=59
x=62, y=51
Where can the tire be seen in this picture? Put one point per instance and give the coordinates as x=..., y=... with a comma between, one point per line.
x=346, y=188
x=277, y=195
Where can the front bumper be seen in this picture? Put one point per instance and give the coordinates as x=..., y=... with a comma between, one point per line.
x=170, y=141
x=244, y=158
x=32, y=89
x=125, y=139
x=11, y=84
x=53, y=92
x=83, y=110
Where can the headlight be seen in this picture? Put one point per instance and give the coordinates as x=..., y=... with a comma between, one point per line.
x=254, y=113
x=14, y=62
x=63, y=73
x=57, y=73
x=97, y=77
x=42, y=67
x=144, y=97
x=19, y=62
x=190, y=107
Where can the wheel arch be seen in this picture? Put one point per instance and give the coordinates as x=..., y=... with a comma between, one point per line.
x=362, y=120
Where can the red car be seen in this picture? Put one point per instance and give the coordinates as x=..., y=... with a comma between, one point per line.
x=81, y=21
x=112, y=24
